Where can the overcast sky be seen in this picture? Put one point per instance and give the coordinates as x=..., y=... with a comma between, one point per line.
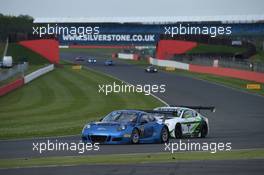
x=130, y=8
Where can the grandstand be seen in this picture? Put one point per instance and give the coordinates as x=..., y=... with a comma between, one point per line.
x=243, y=43
x=250, y=25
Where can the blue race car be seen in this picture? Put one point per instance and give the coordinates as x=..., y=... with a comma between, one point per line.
x=124, y=127
x=109, y=63
x=80, y=58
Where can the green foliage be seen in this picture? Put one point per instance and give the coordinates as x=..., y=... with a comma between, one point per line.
x=20, y=53
x=21, y=24
x=206, y=48
x=61, y=102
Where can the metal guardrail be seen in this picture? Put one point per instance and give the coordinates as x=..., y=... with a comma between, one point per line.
x=15, y=70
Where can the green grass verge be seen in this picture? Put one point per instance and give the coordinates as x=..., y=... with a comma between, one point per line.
x=131, y=158
x=227, y=81
x=259, y=57
x=61, y=102
x=2, y=48
x=207, y=48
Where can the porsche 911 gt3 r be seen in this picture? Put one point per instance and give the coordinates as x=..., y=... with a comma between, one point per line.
x=185, y=121
x=126, y=126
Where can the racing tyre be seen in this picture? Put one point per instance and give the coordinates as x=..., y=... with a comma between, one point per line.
x=164, y=135
x=135, y=136
x=204, y=130
x=178, y=131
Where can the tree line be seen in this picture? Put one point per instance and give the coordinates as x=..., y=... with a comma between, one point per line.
x=15, y=27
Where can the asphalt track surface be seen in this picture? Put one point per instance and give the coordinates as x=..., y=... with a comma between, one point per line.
x=242, y=167
x=239, y=116
x=238, y=119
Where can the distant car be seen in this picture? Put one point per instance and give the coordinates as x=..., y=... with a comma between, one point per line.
x=124, y=127
x=109, y=63
x=151, y=69
x=185, y=121
x=79, y=58
x=91, y=60
x=7, y=62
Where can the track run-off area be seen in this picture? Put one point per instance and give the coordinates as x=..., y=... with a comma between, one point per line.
x=238, y=119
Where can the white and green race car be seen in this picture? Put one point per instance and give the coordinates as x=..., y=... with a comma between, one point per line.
x=185, y=121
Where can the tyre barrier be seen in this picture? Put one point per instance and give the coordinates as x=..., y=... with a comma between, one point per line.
x=219, y=71
x=128, y=56
x=11, y=86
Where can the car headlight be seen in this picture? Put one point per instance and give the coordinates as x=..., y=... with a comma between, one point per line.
x=121, y=127
x=88, y=126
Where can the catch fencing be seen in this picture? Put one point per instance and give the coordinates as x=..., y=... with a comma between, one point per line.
x=18, y=69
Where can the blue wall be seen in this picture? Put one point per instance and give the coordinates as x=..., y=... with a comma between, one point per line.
x=150, y=31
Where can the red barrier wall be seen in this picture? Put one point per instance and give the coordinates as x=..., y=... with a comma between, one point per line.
x=167, y=48
x=101, y=46
x=135, y=57
x=114, y=55
x=47, y=48
x=11, y=86
x=241, y=74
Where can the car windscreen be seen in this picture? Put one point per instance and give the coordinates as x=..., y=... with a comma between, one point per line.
x=175, y=112
x=120, y=116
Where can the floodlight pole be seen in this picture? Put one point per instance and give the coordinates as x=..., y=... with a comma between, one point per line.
x=6, y=47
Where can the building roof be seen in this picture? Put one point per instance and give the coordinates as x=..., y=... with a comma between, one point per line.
x=157, y=20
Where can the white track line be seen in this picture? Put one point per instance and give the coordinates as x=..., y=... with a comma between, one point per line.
x=113, y=77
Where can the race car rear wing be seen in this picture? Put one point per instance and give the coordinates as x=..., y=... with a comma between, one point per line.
x=198, y=108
